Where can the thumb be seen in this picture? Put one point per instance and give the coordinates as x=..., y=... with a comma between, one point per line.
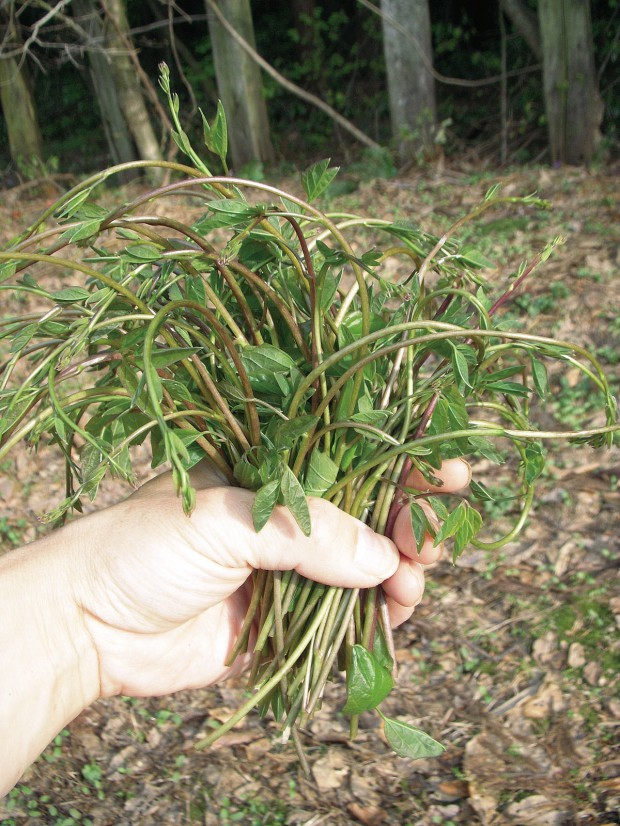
x=340, y=549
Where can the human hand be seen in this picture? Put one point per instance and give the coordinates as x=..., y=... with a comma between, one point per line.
x=164, y=595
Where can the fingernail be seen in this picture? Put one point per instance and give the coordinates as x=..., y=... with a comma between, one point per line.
x=375, y=555
x=468, y=466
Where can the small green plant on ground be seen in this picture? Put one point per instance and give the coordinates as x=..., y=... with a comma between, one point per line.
x=266, y=339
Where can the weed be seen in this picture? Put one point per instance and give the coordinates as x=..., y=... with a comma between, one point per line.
x=12, y=531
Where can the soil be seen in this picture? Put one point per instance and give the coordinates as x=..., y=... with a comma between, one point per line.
x=512, y=659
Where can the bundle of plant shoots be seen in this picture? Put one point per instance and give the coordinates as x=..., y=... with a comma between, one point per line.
x=303, y=354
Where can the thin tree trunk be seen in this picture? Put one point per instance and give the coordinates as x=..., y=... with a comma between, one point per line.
x=116, y=131
x=127, y=83
x=572, y=100
x=239, y=85
x=411, y=86
x=18, y=107
x=25, y=143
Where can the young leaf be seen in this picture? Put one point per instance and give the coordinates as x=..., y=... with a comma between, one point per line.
x=287, y=432
x=463, y=524
x=368, y=682
x=264, y=502
x=438, y=506
x=419, y=523
x=408, y=741
x=246, y=474
x=321, y=474
x=295, y=499
x=539, y=376
x=318, y=177
x=7, y=270
x=381, y=651
x=165, y=357
x=262, y=363
x=461, y=369
x=216, y=135
x=82, y=231
x=534, y=461
x=71, y=294
x=141, y=253
x=480, y=491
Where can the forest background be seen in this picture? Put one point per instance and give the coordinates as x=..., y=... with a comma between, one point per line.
x=400, y=82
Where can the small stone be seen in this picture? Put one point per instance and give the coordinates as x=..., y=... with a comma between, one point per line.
x=535, y=810
x=330, y=771
x=546, y=651
x=614, y=707
x=547, y=700
x=576, y=655
x=592, y=673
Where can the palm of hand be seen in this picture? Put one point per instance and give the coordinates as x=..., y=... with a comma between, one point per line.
x=166, y=601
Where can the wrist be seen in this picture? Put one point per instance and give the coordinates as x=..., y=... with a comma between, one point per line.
x=46, y=654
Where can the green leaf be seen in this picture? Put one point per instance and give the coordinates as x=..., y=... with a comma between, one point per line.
x=180, y=138
x=461, y=368
x=508, y=388
x=408, y=741
x=475, y=258
x=70, y=295
x=287, y=432
x=141, y=253
x=470, y=526
x=381, y=651
x=539, y=377
x=318, y=177
x=234, y=210
x=451, y=524
x=84, y=230
x=262, y=363
x=264, y=502
x=463, y=524
x=246, y=474
x=69, y=209
x=165, y=357
x=438, y=506
x=295, y=499
x=216, y=134
x=368, y=682
x=534, y=461
x=321, y=474
x=485, y=447
x=419, y=523
x=480, y=491
x=24, y=337
x=7, y=270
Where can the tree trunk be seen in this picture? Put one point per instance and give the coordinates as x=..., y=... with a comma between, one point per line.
x=127, y=82
x=411, y=87
x=117, y=134
x=573, y=103
x=239, y=85
x=18, y=108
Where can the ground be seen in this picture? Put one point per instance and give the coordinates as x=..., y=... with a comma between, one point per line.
x=512, y=660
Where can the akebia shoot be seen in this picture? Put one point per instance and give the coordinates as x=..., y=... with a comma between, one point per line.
x=302, y=354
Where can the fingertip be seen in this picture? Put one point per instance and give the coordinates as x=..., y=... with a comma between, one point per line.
x=375, y=555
